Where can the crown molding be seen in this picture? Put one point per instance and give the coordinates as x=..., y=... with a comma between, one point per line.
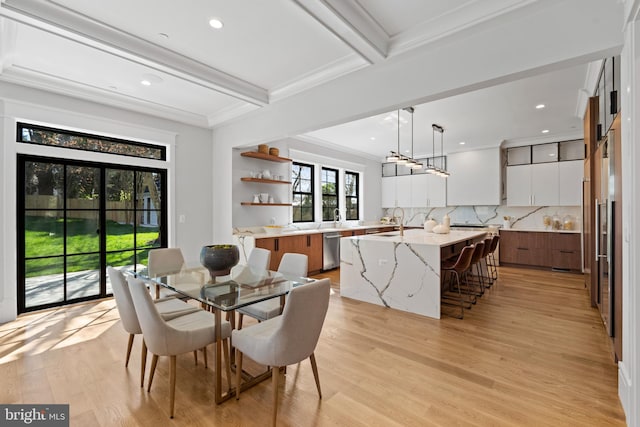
x=465, y=16
x=318, y=76
x=349, y=22
x=63, y=22
x=30, y=78
x=229, y=113
x=7, y=42
x=326, y=144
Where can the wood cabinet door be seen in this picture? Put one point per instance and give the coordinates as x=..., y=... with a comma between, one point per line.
x=314, y=251
x=272, y=244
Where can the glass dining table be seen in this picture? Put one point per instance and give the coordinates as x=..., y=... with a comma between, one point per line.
x=242, y=287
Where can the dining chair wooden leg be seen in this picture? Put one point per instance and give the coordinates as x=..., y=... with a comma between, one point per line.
x=314, y=367
x=172, y=390
x=227, y=361
x=195, y=356
x=143, y=362
x=204, y=351
x=240, y=318
x=154, y=363
x=275, y=374
x=238, y=372
x=129, y=345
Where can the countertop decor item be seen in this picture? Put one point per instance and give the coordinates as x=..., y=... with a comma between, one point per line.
x=441, y=229
x=219, y=259
x=273, y=229
x=446, y=220
x=429, y=225
x=506, y=223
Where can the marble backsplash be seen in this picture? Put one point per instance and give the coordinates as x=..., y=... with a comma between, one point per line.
x=524, y=218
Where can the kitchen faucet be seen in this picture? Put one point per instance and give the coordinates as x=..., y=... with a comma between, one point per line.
x=336, y=217
x=393, y=214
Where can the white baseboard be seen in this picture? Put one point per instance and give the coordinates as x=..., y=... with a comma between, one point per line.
x=624, y=391
x=8, y=311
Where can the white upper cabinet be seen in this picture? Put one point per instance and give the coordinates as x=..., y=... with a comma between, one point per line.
x=475, y=178
x=414, y=191
x=545, y=184
x=570, y=175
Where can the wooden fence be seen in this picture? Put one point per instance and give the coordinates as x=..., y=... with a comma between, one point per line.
x=51, y=207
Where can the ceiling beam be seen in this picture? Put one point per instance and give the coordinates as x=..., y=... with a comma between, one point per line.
x=352, y=24
x=7, y=43
x=63, y=22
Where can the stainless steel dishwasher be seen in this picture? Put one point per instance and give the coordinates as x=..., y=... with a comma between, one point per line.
x=331, y=250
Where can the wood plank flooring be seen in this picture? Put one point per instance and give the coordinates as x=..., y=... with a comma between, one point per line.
x=531, y=352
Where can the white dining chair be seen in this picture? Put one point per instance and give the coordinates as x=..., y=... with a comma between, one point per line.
x=182, y=334
x=169, y=308
x=287, y=339
x=292, y=265
x=164, y=261
x=259, y=259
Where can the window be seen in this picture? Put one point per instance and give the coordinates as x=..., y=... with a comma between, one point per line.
x=33, y=134
x=302, y=180
x=351, y=192
x=329, y=181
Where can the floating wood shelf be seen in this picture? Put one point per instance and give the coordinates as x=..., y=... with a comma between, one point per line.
x=266, y=181
x=264, y=204
x=262, y=156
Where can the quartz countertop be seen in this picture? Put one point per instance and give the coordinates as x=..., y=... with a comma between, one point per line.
x=294, y=232
x=421, y=237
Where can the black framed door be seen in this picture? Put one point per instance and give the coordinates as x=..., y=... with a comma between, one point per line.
x=75, y=218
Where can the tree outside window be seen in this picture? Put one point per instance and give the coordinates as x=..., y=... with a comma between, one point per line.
x=329, y=180
x=302, y=183
x=352, y=197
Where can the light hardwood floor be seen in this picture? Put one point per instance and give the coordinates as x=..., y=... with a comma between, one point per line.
x=531, y=352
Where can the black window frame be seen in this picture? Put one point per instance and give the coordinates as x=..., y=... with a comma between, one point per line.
x=22, y=126
x=328, y=212
x=302, y=194
x=351, y=198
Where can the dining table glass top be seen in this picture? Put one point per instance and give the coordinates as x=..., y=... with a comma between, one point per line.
x=244, y=286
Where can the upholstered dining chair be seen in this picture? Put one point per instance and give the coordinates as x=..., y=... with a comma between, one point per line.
x=287, y=339
x=259, y=258
x=291, y=264
x=164, y=261
x=169, y=308
x=182, y=334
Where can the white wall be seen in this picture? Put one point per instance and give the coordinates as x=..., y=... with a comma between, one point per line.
x=629, y=367
x=189, y=167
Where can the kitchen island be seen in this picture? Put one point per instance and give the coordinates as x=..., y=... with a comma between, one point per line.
x=401, y=272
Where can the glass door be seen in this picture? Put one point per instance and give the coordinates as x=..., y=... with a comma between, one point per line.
x=76, y=218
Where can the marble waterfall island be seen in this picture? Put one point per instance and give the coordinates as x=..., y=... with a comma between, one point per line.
x=401, y=272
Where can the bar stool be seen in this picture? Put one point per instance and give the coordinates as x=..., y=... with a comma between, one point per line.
x=475, y=281
x=484, y=262
x=456, y=269
x=492, y=257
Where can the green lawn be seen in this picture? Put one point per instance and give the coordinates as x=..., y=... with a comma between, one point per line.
x=44, y=238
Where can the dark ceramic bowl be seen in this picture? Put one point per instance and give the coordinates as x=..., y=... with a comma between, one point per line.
x=219, y=259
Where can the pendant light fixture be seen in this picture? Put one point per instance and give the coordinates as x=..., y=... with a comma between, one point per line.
x=400, y=159
x=440, y=171
x=394, y=156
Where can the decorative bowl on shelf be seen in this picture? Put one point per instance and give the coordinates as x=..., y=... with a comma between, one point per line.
x=219, y=259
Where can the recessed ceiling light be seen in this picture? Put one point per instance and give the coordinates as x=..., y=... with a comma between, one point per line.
x=149, y=79
x=373, y=138
x=552, y=154
x=545, y=131
x=462, y=143
x=216, y=23
x=145, y=82
x=540, y=106
x=113, y=88
x=164, y=35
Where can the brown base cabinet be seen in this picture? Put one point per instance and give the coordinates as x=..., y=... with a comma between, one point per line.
x=307, y=244
x=560, y=251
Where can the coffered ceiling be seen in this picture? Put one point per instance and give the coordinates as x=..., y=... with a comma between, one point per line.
x=269, y=53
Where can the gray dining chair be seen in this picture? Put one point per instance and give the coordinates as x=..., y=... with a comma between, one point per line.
x=169, y=308
x=182, y=334
x=287, y=339
x=291, y=264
